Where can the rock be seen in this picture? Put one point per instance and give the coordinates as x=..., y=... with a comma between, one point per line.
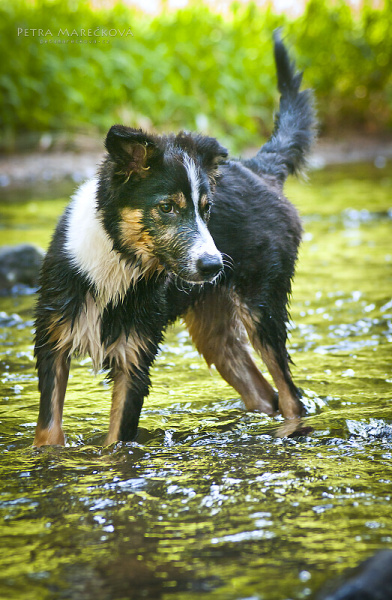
x=19, y=264
x=371, y=580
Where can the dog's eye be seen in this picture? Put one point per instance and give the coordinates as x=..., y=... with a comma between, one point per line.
x=207, y=208
x=166, y=207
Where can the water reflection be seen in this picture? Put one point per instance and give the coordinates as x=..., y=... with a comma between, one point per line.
x=209, y=499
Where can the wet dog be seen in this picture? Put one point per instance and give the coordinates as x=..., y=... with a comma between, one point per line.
x=172, y=228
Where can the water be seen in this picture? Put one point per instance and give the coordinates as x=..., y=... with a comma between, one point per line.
x=208, y=500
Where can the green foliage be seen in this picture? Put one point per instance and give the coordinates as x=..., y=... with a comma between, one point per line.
x=191, y=68
x=347, y=58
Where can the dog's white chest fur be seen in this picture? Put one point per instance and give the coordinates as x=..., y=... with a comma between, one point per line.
x=90, y=249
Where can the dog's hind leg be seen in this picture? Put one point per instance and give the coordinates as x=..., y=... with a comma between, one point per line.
x=289, y=396
x=267, y=333
x=220, y=337
x=53, y=370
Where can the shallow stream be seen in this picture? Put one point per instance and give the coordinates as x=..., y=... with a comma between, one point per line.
x=207, y=501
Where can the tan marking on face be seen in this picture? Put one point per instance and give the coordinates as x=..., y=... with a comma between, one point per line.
x=220, y=336
x=204, y=201
x=133, y=234
x=178, y=199
x=53, y=434
x=136, y=238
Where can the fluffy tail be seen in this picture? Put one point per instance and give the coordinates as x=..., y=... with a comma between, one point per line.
x=286, y=151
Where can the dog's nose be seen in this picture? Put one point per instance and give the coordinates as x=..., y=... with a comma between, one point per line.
x=209, y=265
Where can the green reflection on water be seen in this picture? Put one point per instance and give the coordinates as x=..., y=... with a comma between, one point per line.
x=208, y=500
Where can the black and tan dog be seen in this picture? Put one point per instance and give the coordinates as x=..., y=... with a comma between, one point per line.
x=172, y=228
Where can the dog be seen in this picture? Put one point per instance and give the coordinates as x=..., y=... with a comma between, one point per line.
x=169, y=228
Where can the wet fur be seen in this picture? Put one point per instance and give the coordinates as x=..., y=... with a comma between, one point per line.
x=171, y=228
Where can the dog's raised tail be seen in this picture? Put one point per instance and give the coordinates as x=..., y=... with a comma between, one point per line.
x=287, y=150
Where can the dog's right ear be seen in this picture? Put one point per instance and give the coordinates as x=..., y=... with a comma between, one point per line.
x=211, y=152
x=133, y=150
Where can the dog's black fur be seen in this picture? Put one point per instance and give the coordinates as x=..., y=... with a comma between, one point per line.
x=133, y=252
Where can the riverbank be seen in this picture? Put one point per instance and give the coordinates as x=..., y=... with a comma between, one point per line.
x=53, y=165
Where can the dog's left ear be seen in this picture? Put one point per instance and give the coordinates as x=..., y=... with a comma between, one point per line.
x=133, y=150
x=210, y=151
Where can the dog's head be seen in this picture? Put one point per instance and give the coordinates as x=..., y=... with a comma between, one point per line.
x=155, y=197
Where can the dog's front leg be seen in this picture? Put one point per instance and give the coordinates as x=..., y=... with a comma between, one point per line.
x=130, y=387
x=53, y=370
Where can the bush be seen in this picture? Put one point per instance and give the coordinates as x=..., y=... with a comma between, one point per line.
x=191, y=68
